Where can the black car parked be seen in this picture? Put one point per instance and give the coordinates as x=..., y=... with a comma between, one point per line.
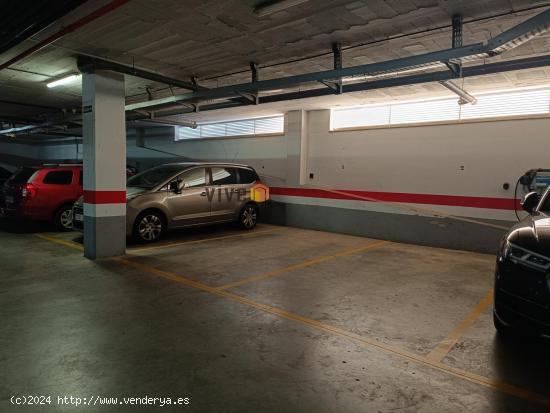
x=522, y=276
x=4, y=175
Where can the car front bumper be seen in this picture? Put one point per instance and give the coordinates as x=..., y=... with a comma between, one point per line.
x=521, y=313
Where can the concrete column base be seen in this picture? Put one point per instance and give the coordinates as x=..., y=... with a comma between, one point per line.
x=104, y=236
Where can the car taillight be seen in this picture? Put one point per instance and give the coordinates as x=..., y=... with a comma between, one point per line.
x=28, y=191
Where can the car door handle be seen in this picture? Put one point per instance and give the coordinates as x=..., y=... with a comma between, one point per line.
x=203, y=193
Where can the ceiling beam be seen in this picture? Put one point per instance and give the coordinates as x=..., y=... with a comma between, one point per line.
x=226, y=92
x=525, y=30
x=497, y=67
x=519, y=34
x=87, y=64
x=480, y=70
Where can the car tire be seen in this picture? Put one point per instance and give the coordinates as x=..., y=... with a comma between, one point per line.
x=503, y=330
x=248, y=217
x=149, y=226
x=63, y=219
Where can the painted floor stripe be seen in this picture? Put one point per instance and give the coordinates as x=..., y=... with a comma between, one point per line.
x=303, y=264
x=199, y=241
x=446, y=345
x=370, y=342
x=59, y=241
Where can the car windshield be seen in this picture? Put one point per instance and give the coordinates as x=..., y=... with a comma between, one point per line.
x=153, y=177
x=22, y=175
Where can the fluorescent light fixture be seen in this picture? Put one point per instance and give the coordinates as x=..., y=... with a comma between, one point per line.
x=398, y=72
x=272, y=91
x=64, y=80
x=464, y=96
x=270, y=7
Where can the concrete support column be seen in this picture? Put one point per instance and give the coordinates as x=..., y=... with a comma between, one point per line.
x=104, y=155
x=296, y=147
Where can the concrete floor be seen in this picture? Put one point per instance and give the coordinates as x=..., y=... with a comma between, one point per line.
x=277, y=319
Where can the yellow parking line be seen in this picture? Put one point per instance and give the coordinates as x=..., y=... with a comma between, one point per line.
x=303, y=264
x=69, y=244
x=199, y=241
x=422, y=360
x=370, y=342
x=443, y=348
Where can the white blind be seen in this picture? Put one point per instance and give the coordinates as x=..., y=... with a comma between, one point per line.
x=246, y=127
x=489, y=105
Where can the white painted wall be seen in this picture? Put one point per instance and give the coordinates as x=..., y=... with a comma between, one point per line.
x=428, y=159
x=423, y=159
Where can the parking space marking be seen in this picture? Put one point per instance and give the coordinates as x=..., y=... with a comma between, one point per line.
x=446, y=345
x=492, y=383
x=63, y=242
x=302, y=264
x=199, y=241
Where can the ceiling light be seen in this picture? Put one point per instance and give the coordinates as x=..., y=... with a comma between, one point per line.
x=465, y=97
x=270, y=92
x=270, y=7
x=64, y=81
x=396, y=72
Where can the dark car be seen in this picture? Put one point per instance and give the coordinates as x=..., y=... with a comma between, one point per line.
x=522, y=276
x=4, y=175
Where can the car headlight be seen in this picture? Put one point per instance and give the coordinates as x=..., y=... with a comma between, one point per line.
x=523, y=256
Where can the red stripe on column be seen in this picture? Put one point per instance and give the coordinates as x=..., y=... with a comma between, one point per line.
x=105, y=197
x=447, y=200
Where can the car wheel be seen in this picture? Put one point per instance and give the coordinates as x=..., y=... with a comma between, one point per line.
x=149, y=226
x=64, y=218
x=248, y=216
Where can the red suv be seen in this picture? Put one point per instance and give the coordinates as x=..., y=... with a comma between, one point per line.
x=44, y=193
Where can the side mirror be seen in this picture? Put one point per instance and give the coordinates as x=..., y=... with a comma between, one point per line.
x=530, y=202
x=175, y=186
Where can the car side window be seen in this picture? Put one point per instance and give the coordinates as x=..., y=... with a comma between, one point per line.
x=193, y=178
x=224, y=176
x=247, y=176
x=58, y=178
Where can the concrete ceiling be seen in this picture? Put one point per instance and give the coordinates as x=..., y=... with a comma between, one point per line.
x=216, y=40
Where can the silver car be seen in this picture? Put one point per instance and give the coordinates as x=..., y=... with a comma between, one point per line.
x=180, y=195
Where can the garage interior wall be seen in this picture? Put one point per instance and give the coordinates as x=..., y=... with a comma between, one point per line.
x=455, y=160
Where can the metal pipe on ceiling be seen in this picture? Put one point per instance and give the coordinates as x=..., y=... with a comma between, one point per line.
x=102, y=11
x=19, y=23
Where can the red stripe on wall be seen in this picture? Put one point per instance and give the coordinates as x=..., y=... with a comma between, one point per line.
x=447, y=200
x=105, y=197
